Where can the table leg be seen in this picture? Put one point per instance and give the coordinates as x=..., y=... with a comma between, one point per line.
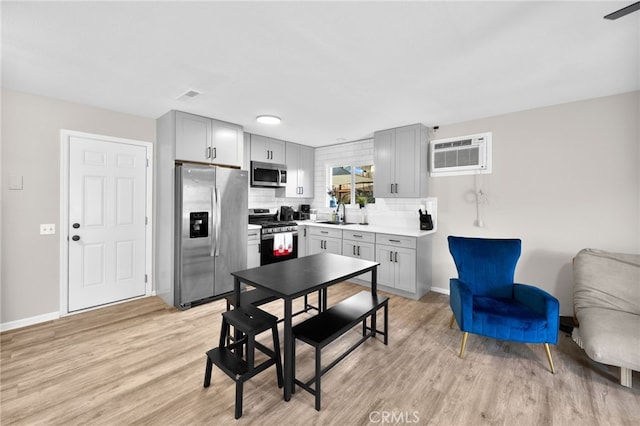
x=288, y=349
x=374, y=292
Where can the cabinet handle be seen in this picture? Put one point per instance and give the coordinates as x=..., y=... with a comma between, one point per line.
x=396, y=188
x=394, y=241
x=324, y=232
x=354, y=250
x=391, y=188
x=215, y=154
x=390, y=256
x=208, y=152
x=396, y=257
x=305, y=232
x=357, y=236
x=259, y=249
x=358, y=250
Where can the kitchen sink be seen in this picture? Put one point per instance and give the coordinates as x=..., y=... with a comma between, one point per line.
x=328, y=222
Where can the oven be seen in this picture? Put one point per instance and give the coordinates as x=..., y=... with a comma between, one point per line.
x=278, y=238
x=278, y=243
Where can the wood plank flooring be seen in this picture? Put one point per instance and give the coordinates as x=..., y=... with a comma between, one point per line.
x=142, y=363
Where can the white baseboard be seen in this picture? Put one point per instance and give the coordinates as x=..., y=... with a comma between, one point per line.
x=29, y=321
x=440, y=290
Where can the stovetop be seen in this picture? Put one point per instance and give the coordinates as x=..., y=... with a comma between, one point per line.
x=268, y=220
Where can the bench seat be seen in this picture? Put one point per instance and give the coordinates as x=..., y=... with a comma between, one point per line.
x=329, y=325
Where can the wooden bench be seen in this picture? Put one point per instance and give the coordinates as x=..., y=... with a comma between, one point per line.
x=329, y=325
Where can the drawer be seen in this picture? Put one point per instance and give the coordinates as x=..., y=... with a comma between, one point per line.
x=325, y=232
x=367, y=237
x=253, y=235
x=396, y=240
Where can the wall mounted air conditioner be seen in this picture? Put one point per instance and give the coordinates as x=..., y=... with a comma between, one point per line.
x=463, y=155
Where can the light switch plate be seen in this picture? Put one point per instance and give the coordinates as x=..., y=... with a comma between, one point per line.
x=47, y=228
x=15, y=182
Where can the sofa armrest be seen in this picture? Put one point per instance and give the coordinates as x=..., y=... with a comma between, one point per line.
x=461, y=302
x=540, y=302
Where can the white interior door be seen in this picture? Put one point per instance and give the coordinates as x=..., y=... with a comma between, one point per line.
x=107, y=213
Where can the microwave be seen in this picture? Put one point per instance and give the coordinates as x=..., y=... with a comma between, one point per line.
x=268, y=175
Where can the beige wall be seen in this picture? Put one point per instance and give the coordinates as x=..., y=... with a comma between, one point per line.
x=564, y=178
x=31, y=148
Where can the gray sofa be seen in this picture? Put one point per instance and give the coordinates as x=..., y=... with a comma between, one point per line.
x=606, y=301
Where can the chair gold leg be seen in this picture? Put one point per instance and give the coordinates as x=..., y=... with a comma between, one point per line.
x=453, y=318
x=464, y=343
x=548, y=351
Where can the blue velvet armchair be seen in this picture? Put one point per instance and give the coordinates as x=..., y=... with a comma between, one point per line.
x=485, y=300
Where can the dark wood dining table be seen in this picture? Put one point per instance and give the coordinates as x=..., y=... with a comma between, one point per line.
x=293, y=278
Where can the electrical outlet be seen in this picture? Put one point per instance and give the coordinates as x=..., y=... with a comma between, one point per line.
x=47, y=228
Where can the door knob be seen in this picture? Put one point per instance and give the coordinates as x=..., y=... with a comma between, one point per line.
x=75, y=238
x=76, y=225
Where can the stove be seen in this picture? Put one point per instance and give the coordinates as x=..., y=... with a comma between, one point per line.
x=278, y=239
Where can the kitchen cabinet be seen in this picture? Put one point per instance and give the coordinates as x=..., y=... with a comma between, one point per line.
x=300, y=171
x=303, y=240
x=397, y=256
x=253, y=248
x=400, y=158
x=360, y=245
x=206, y=140
x=267, y=150
x=323, y=240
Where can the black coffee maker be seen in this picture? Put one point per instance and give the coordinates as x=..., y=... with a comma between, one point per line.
x=286, y=213
x=304, y=212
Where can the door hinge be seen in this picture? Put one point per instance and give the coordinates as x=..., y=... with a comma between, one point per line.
x=146, y=278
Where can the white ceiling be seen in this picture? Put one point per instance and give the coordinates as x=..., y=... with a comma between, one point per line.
x=329, y=69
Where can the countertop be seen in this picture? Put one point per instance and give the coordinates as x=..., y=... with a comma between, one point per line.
x=380, y=229
x=254, y=227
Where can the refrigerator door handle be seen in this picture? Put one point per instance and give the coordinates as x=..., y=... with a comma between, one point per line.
x=212, y=246
x=218, y=213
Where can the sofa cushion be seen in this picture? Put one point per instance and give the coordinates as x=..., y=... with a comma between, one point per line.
x=611, y=337
x=606, y=280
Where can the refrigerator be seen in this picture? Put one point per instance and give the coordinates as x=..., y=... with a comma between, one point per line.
x=211, y=231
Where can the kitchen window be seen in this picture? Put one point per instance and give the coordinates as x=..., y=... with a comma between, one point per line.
x=351, y=185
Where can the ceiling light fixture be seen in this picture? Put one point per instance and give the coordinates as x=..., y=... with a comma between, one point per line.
x=268, y=119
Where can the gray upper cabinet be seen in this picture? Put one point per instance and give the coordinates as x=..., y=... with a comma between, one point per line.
x=300, y=171
x=267, y=150
x=206, y=140
x=400, y=157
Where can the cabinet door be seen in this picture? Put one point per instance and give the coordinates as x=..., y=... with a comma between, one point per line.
x=226, y=144
x=383, y=142
x=277, y=154
x=302, y=240
x=306, y=171
x=365, y=251
x=292, y=161
x=407, y=161
x=349, y=248
x=405, y=269
x=259, y=148
x=193, y=137
x=316, y=244
x=253, y=254
x=333, y=245
x=384, y=255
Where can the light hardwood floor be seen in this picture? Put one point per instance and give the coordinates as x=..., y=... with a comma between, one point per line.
x=142, y=362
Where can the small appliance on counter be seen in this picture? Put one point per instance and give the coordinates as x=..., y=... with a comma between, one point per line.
x=304, y=212
x=286, y=213
x=426, y=223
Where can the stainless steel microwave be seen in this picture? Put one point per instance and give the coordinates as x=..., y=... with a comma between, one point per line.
x=268, y=175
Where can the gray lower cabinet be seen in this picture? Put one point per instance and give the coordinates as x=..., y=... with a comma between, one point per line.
x=325, y=240
x=405, y=264
x=253, y=248
x=360, y=245
x=303, y=240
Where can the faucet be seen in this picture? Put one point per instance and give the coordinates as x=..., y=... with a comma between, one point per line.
x=344, y=211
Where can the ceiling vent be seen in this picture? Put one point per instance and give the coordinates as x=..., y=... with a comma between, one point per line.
x=463, y=155
x=188, y=95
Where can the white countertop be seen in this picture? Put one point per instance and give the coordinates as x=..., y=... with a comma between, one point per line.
x=254, y=227
x=380, y=229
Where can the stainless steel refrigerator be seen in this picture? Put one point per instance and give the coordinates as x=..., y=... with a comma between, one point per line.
x=211, y=231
